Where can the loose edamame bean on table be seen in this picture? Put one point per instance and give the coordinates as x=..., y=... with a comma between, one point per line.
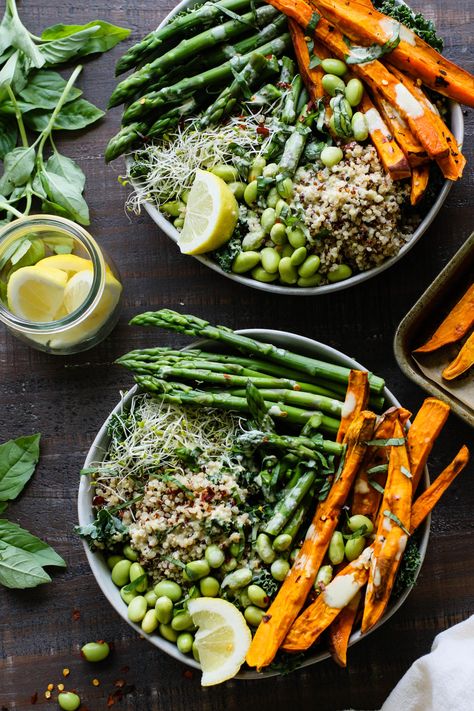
x=95, y=651
x=69, y=701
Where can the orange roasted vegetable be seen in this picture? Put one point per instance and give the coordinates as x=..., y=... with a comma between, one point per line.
x=457, y=323
x=340, y=631
x=420, y=176
x=391, y=156
x=311, y=77
x=296, y=586
x=357, y=397
x=410, y=145
x=463, y=361
x=427, y=425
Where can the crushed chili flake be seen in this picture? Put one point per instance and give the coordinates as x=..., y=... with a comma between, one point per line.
x=47, y=694
x=262, y=130
x=95, y=682
x=120, y=683
x=76, y=615
x=66, y=671
x=266, y=618
x=60, y=687
x=34, y=698
x=188, y=674
x=50, y=687
x=110, y=700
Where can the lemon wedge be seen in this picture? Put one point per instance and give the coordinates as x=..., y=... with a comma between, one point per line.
x=222, y=640
x=211, y=215
x=69, y=263
x=36, y=293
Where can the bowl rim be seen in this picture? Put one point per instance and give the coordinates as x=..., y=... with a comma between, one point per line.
x=98, y=448
x=457, y=126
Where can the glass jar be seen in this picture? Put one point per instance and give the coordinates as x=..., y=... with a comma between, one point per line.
x=91, y=282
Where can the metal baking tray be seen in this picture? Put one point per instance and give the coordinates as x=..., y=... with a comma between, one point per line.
x=424, y=317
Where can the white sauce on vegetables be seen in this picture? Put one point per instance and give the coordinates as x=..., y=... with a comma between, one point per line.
x=361, y=487
x=349, y=405
x=377, y=577
x=375, y=123
x=275, y=410
x=340, y=591
x=407, y=35
x=393, y=28
x=407, y=102
x=401, y=546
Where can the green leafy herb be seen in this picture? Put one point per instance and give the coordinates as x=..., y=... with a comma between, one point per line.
x=8, y=135
x=389, y=442
x=3, y=506
x=131, y=587
x=375, y=485
x=409, y=567
x=72, y=117
x=406, y=472
x=264, y=578
x=226, y=254
x=377, y=470
x=361, y=531
x=313, y=22
x=18, y=459
x=341, y=462
x=362, y=55
x=314, y=61
x=104, y=37
x=102, y=529
x=395, y=518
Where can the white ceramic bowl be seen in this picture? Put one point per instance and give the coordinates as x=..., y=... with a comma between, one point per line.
x=457, y=127
x=99, y=447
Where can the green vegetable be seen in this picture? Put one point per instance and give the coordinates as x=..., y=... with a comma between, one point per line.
x=185, y=642
x=23, y=557
x=121, y=573
x=409, y=567
x=69, y=701
x=95, y=651
x=18, y=459
x=361, y=55
x=169, y=589
x=149, y=622
x=137, y=609
x=105, y=526
x=164, y=610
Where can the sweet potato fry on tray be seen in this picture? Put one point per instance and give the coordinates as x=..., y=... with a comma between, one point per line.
x=357, y=397
x=457, y=323
x=340, y=631
x=429, y=498
x=412, y=148
x=420, y=176
x=292, y=594
x=311, y=77
x=366, y=26
x=427, y=425
x=392, y=532
x=391, y=155
x=463, y=361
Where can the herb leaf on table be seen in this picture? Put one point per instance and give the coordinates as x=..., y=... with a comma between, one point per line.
x=72, y=117
x=18, y=459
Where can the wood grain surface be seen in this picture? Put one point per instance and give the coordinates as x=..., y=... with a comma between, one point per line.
x=67, y=399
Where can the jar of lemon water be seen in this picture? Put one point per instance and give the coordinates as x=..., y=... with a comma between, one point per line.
x=59, y=292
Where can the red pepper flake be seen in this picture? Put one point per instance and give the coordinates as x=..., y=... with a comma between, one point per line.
x=188, y=674
x=208, y=494
x=120, y=683
x=47, y=694
x=262, y=131
x=66, y=671
x=60, y=687
x=266, y=618
x=98, y=501
x=95, y=682
x=111, y=700
x=34, y=698
x=76, y=615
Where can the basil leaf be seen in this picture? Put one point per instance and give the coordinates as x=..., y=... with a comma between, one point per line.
x=43, y=91
x=61, y=50
x=406, y=472
x=13, y=74
x=78, y=114
x=8, y=136
x=3, y=504
x=395, y=518
x=52, y=208
x=131, y=587
x=313, y=22
x=314, y=62
x=62, y=165
x=60, y=191
x=361, y=55
x=378, y=468
x=19, y=569
x=13, y=535
x=18, y=165
x=20, y=38
x=18, y=459
x=375, y=485
x=389, y=442
x=104, y=38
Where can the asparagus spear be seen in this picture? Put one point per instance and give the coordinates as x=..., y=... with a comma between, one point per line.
x=295, y=522
x=295, y=397
x=287, y=506
x=258, y=408
x=188, y=86
x=302, y=447
x=295, y=145
x=288, y=114
x=200, y=17
x=187, y=48
x=194, y=326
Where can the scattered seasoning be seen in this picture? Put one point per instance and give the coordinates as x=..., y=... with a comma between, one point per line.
x=60, y=687
x=34, y=698
x=50, y=687
x=188, y=674
x=66, y=671
x=47, y=694
x=95, y=682
x=76, y=615
x=266, y=618
x=120, y=683
x=125, y=670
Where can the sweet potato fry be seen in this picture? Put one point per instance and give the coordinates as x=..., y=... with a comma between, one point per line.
x=292, y=594
x=328, y=605
x=413, y=55
x=427, y=425
x=357, y=397
x=391, y=535
x=420, y=176
x=311, y=77
x=410, y=145
x=340, y=631
x=457, y=323
x=463, y=361
x=391, y=155
x=429, y=498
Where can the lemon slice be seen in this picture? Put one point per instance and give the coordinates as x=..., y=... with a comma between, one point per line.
x=69, y=263
x=36, y=293
x=211, y=215
x=222, y=639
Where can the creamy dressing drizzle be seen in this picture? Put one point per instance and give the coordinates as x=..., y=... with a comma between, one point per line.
x=407, y=102
x=340, y=591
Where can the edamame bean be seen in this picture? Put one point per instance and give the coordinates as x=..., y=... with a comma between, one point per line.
x=270, y=259
x=129, y=553
x=244, y=262
x=168, y=588
x=227, y=172
x=310, y=281
x=336, y=548
x=151, y=597
x=250, y=192
x=253, y=615
x=69, y=701
x=197, y=569
x=267, y=219
x=259, y=274
x=294, y=554
x=185, y=642
x=263, y=546
x=253, y=241
x=256, y=168
x=258, y=596
x=288, y=273
x=279, y=569
x=121, y=573
x=341, y=272
x=282, y=542
x=229, y=565
x=357, y=521
x=195, y=652
x=95, y=651
x=272, y=197
x=150, y=622
x=331, y=156
x=185, y=196
x=285, y=188
x=173, y=208
x=237, y=579
x=331, y=83
x=334, y=66
x=278, y=233
x=354, y=91
x=214, y=556
x=209, y=587
x=354, y=547
x=164, y=610
x=127, y=596
x=137, y=571
x=238, y=189
x=323, y=577
x=112, y=561
x=137, y=609
x=298, y=256
x=280, y=207
x=270, y=170
x=310, y=266
x=287, y=250
x=360, y=127
x=168, y=633
x=296, y=237
x=182, y=621
x=178, y=223
x=243, y=597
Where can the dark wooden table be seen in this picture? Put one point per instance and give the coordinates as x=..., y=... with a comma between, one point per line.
x=67, y=400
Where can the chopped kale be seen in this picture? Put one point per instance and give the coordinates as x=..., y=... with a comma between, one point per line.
x=106, y=530
x=409, y=567
x=264, y=578
x=226, y=254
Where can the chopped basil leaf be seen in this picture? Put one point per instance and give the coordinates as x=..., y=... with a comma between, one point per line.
x=341, y=462
x=314, y=62
x=361, y=55
x=407, y=472
x=390, y=442
x=361, y=531
x=395, y=518
x=376, y=470
x=313, y=23
x=377, y=487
